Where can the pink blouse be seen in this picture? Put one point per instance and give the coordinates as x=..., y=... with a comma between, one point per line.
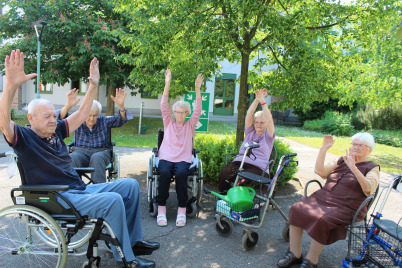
x=177, y=141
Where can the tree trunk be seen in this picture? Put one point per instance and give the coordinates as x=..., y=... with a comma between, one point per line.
x=111, y=90
x=243, y=94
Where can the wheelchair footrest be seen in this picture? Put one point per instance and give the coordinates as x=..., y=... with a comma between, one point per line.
x=254, y=177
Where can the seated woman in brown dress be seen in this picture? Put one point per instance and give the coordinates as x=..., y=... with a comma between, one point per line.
x=326, y=213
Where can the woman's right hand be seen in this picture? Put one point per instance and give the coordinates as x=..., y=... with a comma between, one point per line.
x=327, y=142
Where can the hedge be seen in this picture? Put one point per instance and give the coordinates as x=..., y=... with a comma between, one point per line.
x=214, y=148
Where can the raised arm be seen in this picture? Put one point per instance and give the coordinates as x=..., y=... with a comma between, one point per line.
x=319, y=164
x=267, y=112
x=119, y=100
x=198, y=83
x=72, y=100
x=78, y=117
x=168, y=80
x=15, y=77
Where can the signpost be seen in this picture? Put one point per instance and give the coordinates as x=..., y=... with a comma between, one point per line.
x=202, y=124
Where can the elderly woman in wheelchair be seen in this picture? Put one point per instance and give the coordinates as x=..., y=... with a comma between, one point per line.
x=47, y=167
x=175, y=153
x=260, y=131
x=326, y=213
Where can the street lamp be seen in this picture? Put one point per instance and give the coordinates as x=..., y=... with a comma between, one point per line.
x=39, y=27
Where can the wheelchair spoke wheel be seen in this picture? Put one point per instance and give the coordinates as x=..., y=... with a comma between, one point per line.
x=225, y=228
x=248, y=243
x=20, y=247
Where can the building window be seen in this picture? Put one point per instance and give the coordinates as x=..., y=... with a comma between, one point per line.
x=224, y=94
x=81, y=85
x=2, y=82
x=47, y=88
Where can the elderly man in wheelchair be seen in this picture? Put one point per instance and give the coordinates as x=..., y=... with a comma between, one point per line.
x=93, y=146
x=47, y=168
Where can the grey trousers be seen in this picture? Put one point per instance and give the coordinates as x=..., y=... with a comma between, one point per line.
x=97, y=158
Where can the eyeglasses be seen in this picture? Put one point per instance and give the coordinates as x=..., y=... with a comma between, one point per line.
x=360, y=146
x=180, y=113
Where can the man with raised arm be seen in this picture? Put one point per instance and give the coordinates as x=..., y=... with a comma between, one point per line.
x=45, y=160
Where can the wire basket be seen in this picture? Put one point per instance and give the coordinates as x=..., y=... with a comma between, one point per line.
x=238, y=213
x=374, y=255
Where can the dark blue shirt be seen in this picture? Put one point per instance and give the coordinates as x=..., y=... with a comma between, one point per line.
x=46, y=160
x=99, y=135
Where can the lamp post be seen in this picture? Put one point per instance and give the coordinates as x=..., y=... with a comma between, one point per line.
x=41, y=25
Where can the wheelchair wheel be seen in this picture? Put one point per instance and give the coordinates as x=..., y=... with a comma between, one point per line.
x=116, y=166
x=77, y=241
x=191, y=209
x=19, y=247
x=285, y=232
x=247, y=243
x=224, y=227
x=153, y=208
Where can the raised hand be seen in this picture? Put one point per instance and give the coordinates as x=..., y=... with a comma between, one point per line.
x=72, y=99
x=94, y=75
x=119, y=98
x=327, y=142
x=198, y=81
x=350, y=159
x=14, y=65
x=168, y=76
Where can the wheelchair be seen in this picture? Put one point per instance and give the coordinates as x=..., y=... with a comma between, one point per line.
x=195, y=181
x=37, y=231
x=112, y=169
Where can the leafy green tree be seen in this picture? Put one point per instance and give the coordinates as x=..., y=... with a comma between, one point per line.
x=76, y=32
x=304, y=40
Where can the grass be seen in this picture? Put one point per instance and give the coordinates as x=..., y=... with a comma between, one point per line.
x=387, y=157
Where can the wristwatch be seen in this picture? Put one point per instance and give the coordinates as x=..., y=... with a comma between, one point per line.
x=123, y=110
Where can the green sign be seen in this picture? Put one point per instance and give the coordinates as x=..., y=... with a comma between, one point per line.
x=202, y=124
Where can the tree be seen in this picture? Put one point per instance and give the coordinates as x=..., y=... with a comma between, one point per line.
x=76, y=32
x=302, y=39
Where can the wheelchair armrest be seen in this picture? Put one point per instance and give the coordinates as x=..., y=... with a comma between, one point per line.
x=308, y=183
x=227, y=156
x=84, y=170
x=44, y=187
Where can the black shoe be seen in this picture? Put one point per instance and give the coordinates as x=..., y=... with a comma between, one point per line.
x=289, y=260
x=145, y=247
x=308, y=264
x=141, y=263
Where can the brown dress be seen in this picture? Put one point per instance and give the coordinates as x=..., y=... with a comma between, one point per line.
x=325, y=214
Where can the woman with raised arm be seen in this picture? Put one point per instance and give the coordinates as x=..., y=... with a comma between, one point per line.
x=259, y=129
x=326, y=213
x=175, y=153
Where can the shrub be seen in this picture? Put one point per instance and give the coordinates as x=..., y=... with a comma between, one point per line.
x=389, y=118
x=332, y=123
x=319, y=108
x=387, y=137
x=214, y=148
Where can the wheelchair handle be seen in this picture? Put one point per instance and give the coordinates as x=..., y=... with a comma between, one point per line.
x=291, y=155
x=5, y=154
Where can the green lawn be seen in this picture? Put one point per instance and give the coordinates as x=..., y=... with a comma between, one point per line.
x=388, y=157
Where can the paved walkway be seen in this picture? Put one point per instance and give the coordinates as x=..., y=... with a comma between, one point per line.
x=197, y=244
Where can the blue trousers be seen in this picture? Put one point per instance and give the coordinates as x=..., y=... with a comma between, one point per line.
x=98, y=158
x=166, y=170
x=118, y=203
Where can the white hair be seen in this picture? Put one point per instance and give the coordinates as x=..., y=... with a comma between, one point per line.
x=96, y=106
x=182, y=104
x=365, y=138
x=34, y=103
x=259, y=114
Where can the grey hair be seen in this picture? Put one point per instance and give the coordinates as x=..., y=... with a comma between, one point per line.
x=365, y=138
x=34, y=103
x=182, y=104
x=96, y=106
x=259, y=114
